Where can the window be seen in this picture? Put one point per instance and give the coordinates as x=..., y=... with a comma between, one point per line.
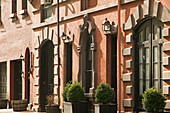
x=88, y=64
x=83, y=5
x=47, y=9
x=14, y=6
x=24, y=4
x=149, y=56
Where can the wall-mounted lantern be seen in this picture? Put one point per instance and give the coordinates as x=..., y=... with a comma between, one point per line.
x=22, y=57
x=106, y=25
x=66, y=38
x=109, y=28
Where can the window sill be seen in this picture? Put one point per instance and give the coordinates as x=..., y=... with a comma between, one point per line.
x=24, y=13
x=13, y=16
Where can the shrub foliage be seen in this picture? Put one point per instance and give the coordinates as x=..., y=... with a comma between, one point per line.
x=73, y=92
x=104, y=94
x=66, y=91
x=153, y=100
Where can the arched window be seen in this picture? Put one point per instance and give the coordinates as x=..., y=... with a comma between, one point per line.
x=148, y=57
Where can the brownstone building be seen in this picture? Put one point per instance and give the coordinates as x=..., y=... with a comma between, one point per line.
x=82, y=49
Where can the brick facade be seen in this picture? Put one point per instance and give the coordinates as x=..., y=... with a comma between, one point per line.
x=30, y=32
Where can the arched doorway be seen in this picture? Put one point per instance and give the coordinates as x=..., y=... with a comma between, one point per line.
x=27, y=75
x=46, y=72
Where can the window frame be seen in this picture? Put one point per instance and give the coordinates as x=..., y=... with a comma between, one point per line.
x=24, y=4
x=44, y=11
x=14, y=6
x=151, y=43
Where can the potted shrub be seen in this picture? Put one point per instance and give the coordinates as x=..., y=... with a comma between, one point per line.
x=51, y=107
x=104, y=96
x=73, y=96
x=153, y=100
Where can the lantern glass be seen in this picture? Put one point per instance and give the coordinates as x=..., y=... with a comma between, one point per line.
x=106, y=25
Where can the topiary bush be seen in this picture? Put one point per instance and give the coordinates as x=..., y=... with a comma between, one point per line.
x=104, y=94
x=66, y=91
x=75, y=93
x=153, y=100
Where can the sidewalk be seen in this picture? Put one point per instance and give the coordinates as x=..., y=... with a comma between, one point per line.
x=11, y=111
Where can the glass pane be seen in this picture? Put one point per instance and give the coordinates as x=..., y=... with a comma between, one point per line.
x=147, y=55
x=140, y=55
x=140, y=87
x=141, y=71
x=141, y=36
x=155, y=71
x=147, y=84
x=155, y=54
x=148, y=33
x=156, y=30
x=147, y=71
x=156, y=84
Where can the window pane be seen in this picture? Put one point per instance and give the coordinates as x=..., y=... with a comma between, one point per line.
x=147, y=84
x=156, y=30
x=146, y=55
x=140, y=55
x=141, y=36
x=148, y=33
x=156, y=84
x=155, y=54
x=155, y=71
x=140, y=87
x=141, y=71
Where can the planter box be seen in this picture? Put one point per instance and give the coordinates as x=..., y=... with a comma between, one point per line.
x=19, y=105
x=105, y=108
x=3, y=103
x=79, y=107
x=52, y=109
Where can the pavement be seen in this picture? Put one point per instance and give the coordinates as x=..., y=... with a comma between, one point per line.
x=11, y=111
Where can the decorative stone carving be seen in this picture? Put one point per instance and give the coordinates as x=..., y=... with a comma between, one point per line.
x=129, y=64
x=166, y=61
x=37, y=90
x=36, y=71
x=166, y=32
x=55, y=50
x=55, y=89
x=55, y=59
x=166, y=75
x=36, y=100
x=166, y=90
x=127, y=77
x=37, y=53
x=129, y=90
x=36, y=62
x=56, y=69
x=128, y=38
x=127, y=51
x=167, y=106
x=166, y=46
x=151, y=8
x=127, y=103
x=36, y=81
x=88, y=28
x=56, y=80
